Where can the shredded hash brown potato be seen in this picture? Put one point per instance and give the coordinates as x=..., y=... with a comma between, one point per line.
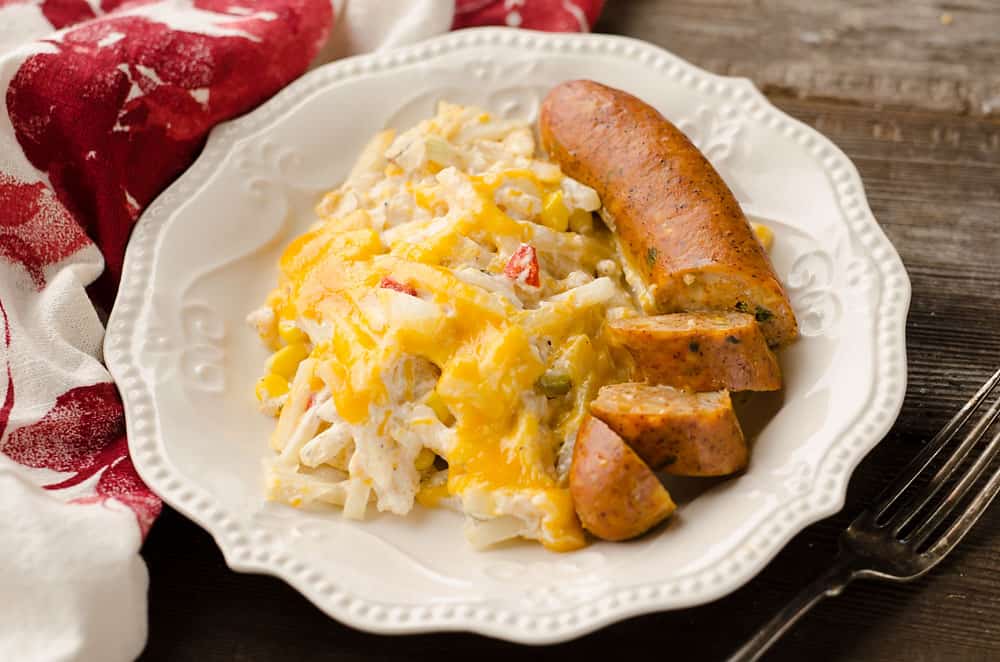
x=439, y=333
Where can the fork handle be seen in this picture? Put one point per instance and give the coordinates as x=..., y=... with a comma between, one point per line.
x=829, y=584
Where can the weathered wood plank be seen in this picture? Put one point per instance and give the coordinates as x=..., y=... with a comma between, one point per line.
x=881, y=53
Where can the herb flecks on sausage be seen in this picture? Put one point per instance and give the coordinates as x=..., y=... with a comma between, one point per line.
x=683, y=433
x=616, y=494
x=699, y=351
x=674, y=214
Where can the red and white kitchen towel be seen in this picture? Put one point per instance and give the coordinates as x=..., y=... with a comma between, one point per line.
x=105, y=102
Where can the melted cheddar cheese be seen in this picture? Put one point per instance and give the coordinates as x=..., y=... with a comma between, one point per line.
x=439, y=332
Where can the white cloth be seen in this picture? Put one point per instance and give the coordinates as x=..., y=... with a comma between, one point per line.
x=73, y=586
x=370, y=25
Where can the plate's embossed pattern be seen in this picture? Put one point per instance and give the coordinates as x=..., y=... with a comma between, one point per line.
x=821, y=293
x=809, y=284
x=195, y=354
x=269, y=168
x=715, y=131
x=512, y=598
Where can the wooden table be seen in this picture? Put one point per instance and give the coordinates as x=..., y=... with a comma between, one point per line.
x=911, y=91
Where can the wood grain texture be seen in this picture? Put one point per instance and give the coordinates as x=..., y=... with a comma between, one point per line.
x=931, y=54
x=932, y=174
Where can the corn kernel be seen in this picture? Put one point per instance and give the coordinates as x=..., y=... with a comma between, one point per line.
x=286, y=360
x=423, y=198
x=554, y=212
x=581, y=221
x=291, y=333
x=271, y=386
x=425, y=458
x=764, y=234
x=393, y=170
x=430, y=497
x=435, y=402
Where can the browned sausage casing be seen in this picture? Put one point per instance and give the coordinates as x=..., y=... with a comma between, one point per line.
x=679, y=224
x=614, y=493
x=700, y=351
x=682, y=433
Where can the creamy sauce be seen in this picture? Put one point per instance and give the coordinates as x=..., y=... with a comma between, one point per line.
x=449, y=306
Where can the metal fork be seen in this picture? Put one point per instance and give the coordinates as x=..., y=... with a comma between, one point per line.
x=892, y=539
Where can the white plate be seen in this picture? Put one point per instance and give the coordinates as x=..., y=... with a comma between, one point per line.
x=204, y=254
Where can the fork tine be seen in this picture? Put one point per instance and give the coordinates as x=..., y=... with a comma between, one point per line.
x=954, y=534
x=917, y=502
x=959, y=490
x=895, y=490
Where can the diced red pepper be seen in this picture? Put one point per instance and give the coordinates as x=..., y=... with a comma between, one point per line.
x=391, y=284
x=523, y=266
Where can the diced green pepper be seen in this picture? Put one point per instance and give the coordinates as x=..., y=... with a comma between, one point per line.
x=553, y=384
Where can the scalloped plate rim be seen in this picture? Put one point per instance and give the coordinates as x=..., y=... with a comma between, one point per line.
x=169, y=483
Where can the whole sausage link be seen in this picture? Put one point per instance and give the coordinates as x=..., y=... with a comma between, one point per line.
x=679, y=224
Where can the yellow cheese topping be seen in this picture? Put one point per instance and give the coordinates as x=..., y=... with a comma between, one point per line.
x=357, y=294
